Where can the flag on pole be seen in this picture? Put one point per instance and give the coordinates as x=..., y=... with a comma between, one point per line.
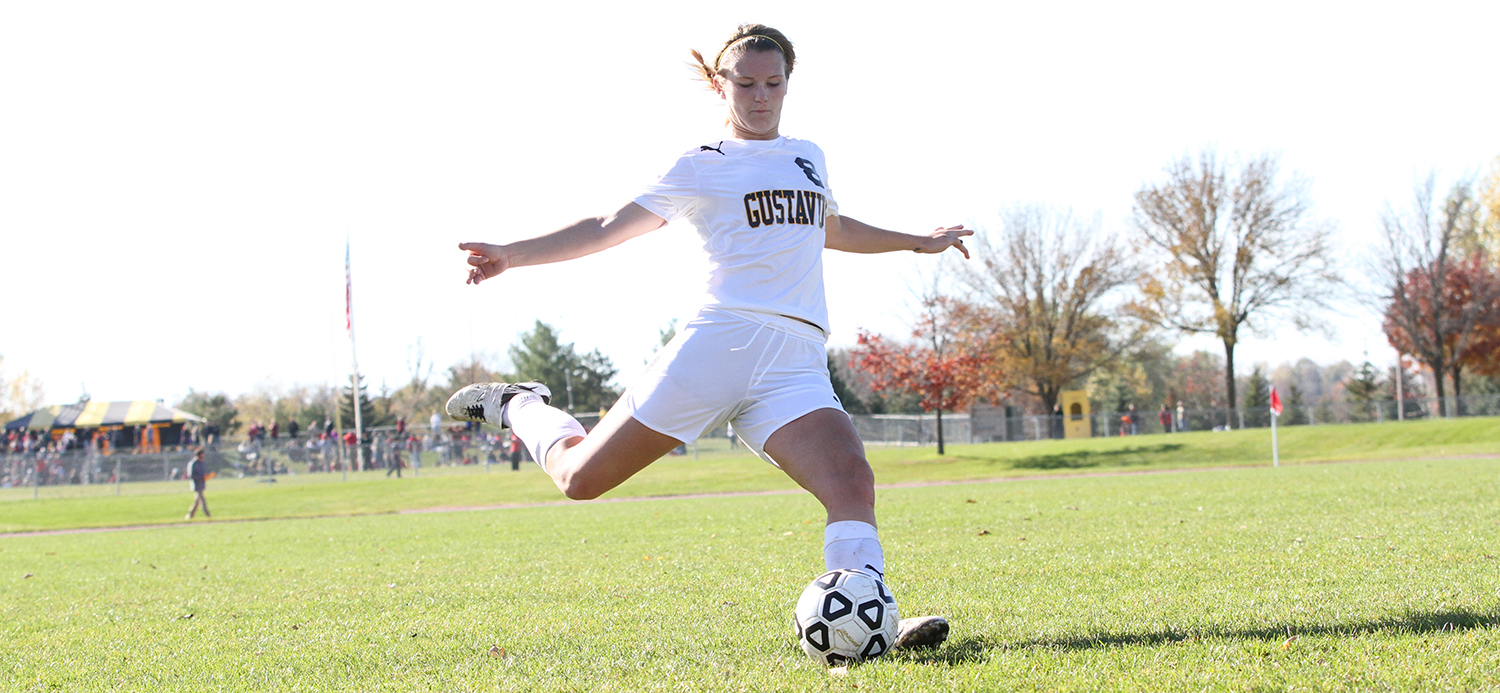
x=1275, y=402
x=348, y=292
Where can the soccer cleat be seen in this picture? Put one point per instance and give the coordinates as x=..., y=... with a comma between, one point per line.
x=469, y=403
x=922, y=631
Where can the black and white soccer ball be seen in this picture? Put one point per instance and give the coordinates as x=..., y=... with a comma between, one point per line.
x=845, y=616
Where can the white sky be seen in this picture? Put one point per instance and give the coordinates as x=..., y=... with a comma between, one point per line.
x=177, y=179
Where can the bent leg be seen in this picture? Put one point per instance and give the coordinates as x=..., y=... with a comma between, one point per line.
x=585, y=467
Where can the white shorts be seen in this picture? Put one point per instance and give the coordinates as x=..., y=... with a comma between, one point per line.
x=755, y=370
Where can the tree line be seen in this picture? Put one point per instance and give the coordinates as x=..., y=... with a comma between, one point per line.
x=1216, y=247
x=580, y=382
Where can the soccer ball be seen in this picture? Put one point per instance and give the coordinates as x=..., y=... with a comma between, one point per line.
x=845, y=616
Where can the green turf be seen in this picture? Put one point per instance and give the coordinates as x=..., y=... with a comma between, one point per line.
x=716, y=470
x=1375, y=576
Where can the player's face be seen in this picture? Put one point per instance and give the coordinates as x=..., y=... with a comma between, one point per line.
x=754, y=87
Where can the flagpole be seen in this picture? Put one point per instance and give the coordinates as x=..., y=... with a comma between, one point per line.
x=1275, y=451
x=338, y=427
x=1275, y=414
x=1400, y=400
x=359, y=428
x=337, y=444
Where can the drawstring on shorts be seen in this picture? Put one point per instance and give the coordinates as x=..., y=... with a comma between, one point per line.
x=764, y=365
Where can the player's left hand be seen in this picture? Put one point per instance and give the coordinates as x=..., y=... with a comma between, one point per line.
x=485, y=260
x=943, y=239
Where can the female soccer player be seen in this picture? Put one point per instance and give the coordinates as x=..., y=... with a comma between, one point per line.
x=755, y=355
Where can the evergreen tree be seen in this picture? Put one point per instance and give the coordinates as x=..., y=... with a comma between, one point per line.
x=841, y=389
x=1257, y=398
x=368, y=415
x=542, y=357
x=592, y=374
x=1292, y=407
x=1361, y=390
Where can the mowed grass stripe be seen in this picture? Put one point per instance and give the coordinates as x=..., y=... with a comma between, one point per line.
x=1336, y=577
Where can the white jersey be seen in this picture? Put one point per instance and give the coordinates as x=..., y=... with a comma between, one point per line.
x=760, y=208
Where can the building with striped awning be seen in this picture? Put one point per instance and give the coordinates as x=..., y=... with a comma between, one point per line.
x=148, y=424
x=97, y=414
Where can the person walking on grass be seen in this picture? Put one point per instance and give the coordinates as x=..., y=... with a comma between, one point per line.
x=755, y=354
x=393, y=458
x=198, y=471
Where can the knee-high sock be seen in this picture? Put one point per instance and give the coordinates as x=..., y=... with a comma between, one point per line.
x=539, y=426
x=851, y=544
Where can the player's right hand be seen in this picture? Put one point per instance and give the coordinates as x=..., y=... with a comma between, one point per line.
x=486, y=261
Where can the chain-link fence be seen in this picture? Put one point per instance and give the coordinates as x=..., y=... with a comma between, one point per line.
x=48, y=472
x=999, y=424
x=48, y=469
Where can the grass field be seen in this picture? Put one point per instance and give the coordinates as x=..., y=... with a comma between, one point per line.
x=1373, y=576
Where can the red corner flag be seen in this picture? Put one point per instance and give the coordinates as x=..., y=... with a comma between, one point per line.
x=1275, y=402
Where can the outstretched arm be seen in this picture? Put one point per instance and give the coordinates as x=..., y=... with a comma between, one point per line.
x=583, y=237
x=854, y=236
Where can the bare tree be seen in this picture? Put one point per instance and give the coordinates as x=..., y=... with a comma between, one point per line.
x=1489, y=203
x=1238, y=250
x=1431, y=303
x=19, y=394
x=1038, y=293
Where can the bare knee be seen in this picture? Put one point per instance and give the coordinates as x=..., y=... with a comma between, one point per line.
x=586, y=468
x=575, y=476
x=578, y=486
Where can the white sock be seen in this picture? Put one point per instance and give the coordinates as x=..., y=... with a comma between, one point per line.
x=539, y=426
x=851, y=544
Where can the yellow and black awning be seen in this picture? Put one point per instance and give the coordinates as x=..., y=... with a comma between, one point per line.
x=96, y=414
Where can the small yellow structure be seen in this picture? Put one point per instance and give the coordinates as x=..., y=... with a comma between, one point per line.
x=1075, y=407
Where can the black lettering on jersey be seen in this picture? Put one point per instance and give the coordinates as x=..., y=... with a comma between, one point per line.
x=801, y=207
x=810, y=171
x=752, y=216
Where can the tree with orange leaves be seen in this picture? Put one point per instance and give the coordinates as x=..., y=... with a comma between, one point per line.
x=940, y=366
x=1441, y=306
